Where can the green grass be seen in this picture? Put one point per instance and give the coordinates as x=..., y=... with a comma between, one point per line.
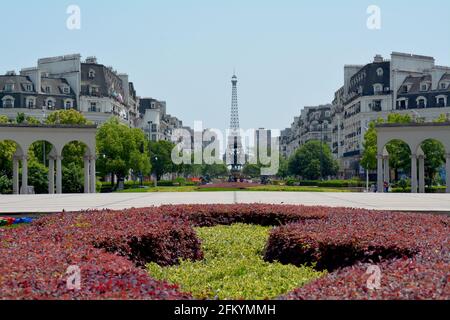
x=233, y=267
x=14, y=226
x=258, y=188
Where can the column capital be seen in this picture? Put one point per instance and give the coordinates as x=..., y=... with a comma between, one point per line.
x=380, y=156
x=414, y=156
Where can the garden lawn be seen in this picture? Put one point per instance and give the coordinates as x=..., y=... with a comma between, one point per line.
x=233, y=267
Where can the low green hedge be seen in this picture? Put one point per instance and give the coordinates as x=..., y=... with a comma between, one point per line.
x=434, y=189
x=332, y=183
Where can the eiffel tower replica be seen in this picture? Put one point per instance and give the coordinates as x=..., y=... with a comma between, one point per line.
x=235, y=152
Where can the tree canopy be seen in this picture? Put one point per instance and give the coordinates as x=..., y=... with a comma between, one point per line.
x=312, y=161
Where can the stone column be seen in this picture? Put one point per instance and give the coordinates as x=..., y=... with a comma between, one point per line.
x=421, y=174
x=51, y=175
x=16, y=183
x=86, y=175
x=413, y=173
x=380, y=184
x=58, y=175
x=92, y=175
x=447, y=166
x=24, y=175
x=387, y=174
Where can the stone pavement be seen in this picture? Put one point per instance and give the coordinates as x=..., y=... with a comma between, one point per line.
x=28, y=204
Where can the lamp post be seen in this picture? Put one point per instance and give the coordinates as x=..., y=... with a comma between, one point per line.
x=367, y=169
x=155, y=174
x=321, y=151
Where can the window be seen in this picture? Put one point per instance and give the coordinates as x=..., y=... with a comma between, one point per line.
x=9, y=87
x=424, y=87
x=91, y=74
x=404, y=89
x=50, y=103
x=28, y=87
x=421, y=102
x=66, y=90
x=68, y=104
x=31, y=103
x=441, y=101
x=380, y=72
x=443, y=86
x=94, y=91
x=376, y=105
x=93, y=107
x=48, y=89
x=8, y=102
x=154, y=137
x=377, y=88
x=402, y=104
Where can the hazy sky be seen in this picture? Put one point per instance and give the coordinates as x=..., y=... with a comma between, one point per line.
x=287, y=54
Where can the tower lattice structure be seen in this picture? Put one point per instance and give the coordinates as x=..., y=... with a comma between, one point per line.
x=235, y=151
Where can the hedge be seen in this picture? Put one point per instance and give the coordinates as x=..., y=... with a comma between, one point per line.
x=411, y=250
x=110, y=247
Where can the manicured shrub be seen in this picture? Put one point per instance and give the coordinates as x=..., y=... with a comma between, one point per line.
x=411, y=250
x=34, y=260
x=111, y=246
x=259, y=214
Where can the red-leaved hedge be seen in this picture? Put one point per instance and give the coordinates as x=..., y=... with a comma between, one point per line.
x=412, y=251
x=110, y=248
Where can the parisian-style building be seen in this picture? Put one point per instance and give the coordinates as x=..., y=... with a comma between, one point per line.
x=96, y=90
x=155, y=121
x=314, y=123
x=405, y=83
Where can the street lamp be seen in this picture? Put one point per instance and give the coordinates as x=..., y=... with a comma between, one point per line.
x=155, y=174
x=367, y=169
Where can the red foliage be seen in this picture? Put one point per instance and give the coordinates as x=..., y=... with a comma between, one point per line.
x=110, y=247
x=34, y=260
x=411, y=250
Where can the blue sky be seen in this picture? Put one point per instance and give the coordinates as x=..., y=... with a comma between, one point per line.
x=287, y=53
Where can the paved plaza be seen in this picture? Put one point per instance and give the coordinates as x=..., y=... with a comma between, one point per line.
x=27, y=204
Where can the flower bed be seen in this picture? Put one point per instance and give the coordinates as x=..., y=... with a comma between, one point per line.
x=411, y=250
x=111, y=247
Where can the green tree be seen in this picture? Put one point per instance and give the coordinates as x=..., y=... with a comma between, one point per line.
x=283, y=172
x=73, y=178
x=67, y=117
x=160, y=154
x=214, y=170
x=38, y=177
x=312, y=161
x=121, y=150
x=252, y=170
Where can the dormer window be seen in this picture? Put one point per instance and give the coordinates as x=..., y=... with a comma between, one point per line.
x=66, y=89
x=423, y=87
x=9, y=87
x=28, y=87
x=8, y=102
x=441, y=101
x=404, y=89
x=380, y=72
x=421, y=102
x=377, y=88
x=48, y=89
x=91, y=74
x=444, y=86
